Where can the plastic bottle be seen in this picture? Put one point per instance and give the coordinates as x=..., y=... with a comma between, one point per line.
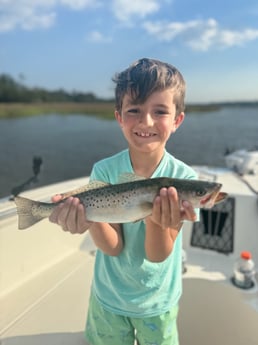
x=244, y=271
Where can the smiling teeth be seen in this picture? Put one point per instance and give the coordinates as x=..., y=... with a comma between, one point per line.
x=145, y=135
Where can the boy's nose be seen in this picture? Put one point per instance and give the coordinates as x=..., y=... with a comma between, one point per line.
x=146, y=119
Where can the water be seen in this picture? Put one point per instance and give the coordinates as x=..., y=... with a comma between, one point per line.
x=69, y=145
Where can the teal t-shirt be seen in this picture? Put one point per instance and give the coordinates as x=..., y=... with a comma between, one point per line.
x=129, y=284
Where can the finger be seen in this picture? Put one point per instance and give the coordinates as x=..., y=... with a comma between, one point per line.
x=76, y=221
x=53, y=218
x=165, y=209
x=82, y=224
x=156, y=210
x=72, y=216
x=173, y=197
x=175, y=213
x=189, y=212
x=56, y=198
x=64, y=213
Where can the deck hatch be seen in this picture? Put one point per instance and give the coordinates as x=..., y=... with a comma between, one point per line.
x=215, y=230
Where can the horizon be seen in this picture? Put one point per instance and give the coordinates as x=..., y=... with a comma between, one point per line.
x=78, y=45
x=110, y=99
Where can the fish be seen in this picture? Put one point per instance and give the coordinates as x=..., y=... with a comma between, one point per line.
x=128, y=201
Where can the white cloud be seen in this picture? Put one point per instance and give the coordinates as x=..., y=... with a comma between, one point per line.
x=200, y=34
x=168, y=31
x=98, y=37
x=125, y=10
x=35, y=14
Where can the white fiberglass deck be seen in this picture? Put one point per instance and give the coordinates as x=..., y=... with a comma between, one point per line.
x=46, y=277
x=51, y=309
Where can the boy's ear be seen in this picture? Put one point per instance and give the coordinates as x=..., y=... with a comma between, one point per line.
x=118, y=117
x=179, y=120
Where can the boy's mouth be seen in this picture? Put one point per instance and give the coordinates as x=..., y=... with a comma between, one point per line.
x=144, y=134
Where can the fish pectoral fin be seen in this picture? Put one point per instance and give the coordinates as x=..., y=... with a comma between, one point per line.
x=92, y=185
x=146, y=206
x=146, y=209
x=130, y=177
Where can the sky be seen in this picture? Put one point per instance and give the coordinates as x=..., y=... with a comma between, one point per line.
x=78, y=45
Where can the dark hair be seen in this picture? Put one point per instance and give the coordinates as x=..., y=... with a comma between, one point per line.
x=146, y=76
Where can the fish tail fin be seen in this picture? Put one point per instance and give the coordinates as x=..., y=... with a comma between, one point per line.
x=26, y=216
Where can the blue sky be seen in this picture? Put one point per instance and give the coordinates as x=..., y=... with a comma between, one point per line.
x=80, y=44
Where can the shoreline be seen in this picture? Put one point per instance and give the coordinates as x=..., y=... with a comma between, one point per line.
x=103, y=109
x=20, y=110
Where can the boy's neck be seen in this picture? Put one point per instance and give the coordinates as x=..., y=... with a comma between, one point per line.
x=144, y=164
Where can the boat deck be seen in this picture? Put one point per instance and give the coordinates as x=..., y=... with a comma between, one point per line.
x=45, y=287
x=51, y=307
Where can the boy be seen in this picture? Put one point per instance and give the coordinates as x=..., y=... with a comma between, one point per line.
x=137, y=278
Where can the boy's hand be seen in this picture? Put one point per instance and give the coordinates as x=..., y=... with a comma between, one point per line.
x=70, y=215
x=167, y=211
x=164, y=224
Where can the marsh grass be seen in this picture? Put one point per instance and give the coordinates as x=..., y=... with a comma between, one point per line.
x=103, y=109
x=18, y=110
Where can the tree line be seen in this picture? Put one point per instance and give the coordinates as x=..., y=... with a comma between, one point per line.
x=12, y=91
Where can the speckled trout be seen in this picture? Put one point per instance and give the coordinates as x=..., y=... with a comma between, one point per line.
x=124, y=202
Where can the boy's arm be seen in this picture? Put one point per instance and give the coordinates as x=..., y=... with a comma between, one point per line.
x=107, y=237
x=163, y=225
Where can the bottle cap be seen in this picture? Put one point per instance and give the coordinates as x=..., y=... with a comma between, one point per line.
x=246, y=255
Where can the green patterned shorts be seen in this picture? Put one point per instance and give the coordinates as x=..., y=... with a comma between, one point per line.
x=106, y=328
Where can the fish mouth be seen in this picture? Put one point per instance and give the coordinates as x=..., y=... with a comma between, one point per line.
x=220, y=197
x=214, y=198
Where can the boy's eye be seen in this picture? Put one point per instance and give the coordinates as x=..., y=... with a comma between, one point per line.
x=133, y=111
x=161, y=112
x=154, y=112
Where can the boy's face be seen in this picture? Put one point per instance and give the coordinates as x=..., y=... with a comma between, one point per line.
x=148, y=126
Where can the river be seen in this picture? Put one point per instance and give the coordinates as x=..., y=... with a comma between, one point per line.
x=70, y=144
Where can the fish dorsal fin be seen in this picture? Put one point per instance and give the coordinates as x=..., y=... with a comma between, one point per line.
x=129, y=177
x=91, y=185
x=97, y=184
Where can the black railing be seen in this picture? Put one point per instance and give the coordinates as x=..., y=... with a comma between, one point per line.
x=215, y=230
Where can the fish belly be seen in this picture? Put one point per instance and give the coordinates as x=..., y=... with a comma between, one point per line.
x=119, y=210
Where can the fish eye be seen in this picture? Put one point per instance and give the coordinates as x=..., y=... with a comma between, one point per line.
x=200, y=192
